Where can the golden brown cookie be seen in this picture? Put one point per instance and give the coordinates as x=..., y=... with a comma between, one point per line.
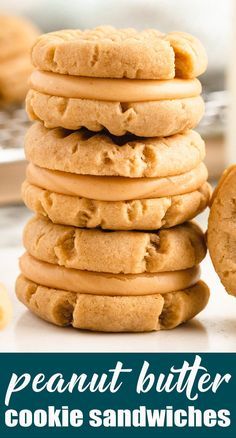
x=148, y=119
x=14, y=74
x=128, y=252
x=85, y=152
x=112, y=314
x=117, y=53
x=16, y=37
x=221, y=235
x=145, y=214
x=5, y=307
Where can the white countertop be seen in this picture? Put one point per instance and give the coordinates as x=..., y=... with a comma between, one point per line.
x=213, y=330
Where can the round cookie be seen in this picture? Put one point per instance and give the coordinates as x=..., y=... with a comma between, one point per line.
x=145, y=214
x=147, y=119
x=221, y=234
x=88, y=153
x=118, y=53
x=132, y=252
x=112, y=314
x=5, y=307
x=16, y=38
x=14, y=74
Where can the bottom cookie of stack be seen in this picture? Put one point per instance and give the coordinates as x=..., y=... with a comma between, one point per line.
x=113, y=313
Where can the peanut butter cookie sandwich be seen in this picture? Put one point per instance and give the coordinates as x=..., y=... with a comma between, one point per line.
x=144, y=83
x=112, y=281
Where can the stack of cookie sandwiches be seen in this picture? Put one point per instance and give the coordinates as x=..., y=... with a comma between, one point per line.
x=115, y=174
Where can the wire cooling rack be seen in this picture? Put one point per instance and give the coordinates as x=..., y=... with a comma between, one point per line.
x=13, y=125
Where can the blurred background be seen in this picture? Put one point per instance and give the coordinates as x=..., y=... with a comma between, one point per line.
x=210, y=20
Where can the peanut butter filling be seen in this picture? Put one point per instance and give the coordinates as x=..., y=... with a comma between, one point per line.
x=115, y=188
x=74, y=280
x=115, y=90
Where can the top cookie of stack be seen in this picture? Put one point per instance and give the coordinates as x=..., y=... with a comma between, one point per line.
x=122, y=80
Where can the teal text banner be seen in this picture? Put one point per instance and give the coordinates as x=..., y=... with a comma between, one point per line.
x=166, y=395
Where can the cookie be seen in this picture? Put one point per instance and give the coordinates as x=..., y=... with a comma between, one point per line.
x=112, y=313
x=16, y=37
x=147, y=119
x=14, y=74
x=100, y=283
x=108, y=188
x=117, y=53
x=128, y=252
x=221, y=235
x=5, y=307
x=146, y=214
x=88, y=153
